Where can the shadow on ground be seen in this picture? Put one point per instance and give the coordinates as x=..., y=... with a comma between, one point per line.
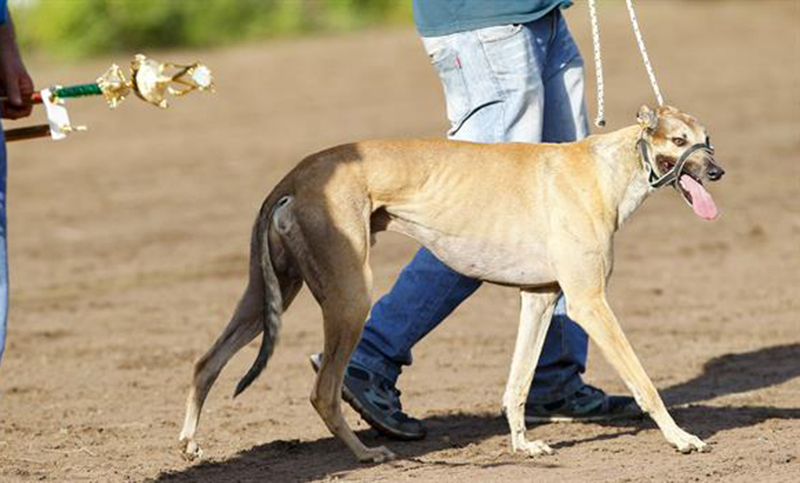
x=724, y=375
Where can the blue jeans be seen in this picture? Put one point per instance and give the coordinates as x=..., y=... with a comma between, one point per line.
x=3, y=247
x=511, y=83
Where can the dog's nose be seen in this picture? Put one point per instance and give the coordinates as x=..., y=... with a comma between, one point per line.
x=715, y=172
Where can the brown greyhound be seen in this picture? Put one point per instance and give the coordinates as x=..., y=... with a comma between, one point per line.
x=540, y=217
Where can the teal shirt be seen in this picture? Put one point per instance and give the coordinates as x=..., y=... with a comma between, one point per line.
x=3, y=7
x=441, y=17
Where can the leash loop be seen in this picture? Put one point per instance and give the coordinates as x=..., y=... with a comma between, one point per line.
x=600, y=120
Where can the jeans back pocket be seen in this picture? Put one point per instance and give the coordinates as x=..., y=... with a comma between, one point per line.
x=456, y=94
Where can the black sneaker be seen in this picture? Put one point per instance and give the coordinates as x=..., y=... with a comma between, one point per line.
x=587, y=404
x=377, y=400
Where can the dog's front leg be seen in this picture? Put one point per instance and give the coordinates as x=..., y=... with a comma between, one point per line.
x=534, y=319
x=595, y=316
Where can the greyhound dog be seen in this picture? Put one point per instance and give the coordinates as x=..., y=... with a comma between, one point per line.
x=540, y=217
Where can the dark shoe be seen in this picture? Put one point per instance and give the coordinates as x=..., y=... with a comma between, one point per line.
x=377, y=401
x=587, y=404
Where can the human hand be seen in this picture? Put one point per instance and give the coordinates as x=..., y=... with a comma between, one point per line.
x=15, y=83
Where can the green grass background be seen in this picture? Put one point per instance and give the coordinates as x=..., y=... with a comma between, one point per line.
x=81, y=28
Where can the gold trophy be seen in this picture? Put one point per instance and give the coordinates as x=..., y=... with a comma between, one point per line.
x=150, y=80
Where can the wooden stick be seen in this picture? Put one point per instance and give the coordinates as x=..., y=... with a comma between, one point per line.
x=30, y=132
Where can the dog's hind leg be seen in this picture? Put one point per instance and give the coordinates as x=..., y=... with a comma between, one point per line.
x=244, y=326
x=344, y=319
x=338, y=274
x=534, y=319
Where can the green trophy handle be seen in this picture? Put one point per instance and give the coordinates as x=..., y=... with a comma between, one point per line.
x=80, y=90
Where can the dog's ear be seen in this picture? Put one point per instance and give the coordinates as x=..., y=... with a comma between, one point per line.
x=647, y=118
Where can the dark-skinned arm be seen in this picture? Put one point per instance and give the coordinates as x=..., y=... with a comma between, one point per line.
x=15, y=83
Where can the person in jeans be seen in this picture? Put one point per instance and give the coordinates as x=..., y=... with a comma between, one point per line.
x=16, y=85
x=511, y=72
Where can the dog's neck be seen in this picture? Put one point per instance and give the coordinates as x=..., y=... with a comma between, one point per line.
x=625, y=186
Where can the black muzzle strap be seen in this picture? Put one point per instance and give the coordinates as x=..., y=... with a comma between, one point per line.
x=673, y=175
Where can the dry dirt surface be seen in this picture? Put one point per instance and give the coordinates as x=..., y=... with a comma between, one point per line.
x=129, y=249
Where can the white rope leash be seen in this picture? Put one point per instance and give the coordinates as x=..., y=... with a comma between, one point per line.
x=600, y=120
x=643, y=50
x=598, y=60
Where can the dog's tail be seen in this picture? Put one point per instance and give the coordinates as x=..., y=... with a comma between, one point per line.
x=261, y=261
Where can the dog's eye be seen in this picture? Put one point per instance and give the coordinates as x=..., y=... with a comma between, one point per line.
x=680, y=142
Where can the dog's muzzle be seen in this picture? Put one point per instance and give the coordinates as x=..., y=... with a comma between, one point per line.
x=673, y=175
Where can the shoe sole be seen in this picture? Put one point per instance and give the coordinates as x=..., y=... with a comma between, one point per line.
x=366, y=416
x=587, y=419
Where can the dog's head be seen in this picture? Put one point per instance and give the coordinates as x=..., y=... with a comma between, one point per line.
x=677, y=141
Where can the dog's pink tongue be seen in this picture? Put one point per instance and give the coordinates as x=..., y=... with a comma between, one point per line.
x=702, y=202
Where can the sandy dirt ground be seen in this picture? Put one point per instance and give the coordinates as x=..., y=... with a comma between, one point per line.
x=129, y=249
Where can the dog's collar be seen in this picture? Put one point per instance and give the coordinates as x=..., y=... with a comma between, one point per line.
x=673, y=175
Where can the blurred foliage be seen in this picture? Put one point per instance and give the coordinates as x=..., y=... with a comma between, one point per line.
x=78, y=28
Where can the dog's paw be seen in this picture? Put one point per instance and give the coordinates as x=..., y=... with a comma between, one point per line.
x=190, y=450
x=534, y=448
x=380, y=454
x=687, y=443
